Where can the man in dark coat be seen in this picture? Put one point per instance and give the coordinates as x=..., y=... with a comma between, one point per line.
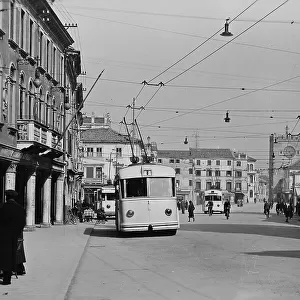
x=191, y=209
x=12, y=222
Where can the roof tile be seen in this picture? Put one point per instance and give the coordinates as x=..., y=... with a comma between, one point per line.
x=103, y=135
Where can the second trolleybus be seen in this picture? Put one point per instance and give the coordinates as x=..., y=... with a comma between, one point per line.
x=218, y=198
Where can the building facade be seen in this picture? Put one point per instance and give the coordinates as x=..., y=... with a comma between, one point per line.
x=39, y=87
x=200, y=169
x=284, y=156
x=104, y=152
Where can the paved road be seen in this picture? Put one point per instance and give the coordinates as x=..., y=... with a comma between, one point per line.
x=245, y=257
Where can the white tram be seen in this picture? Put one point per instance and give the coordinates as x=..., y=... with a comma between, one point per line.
x=147, y=199
x=108, y=196
x=217, y=197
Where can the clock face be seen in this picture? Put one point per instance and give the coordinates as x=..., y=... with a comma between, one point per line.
x=289, y=151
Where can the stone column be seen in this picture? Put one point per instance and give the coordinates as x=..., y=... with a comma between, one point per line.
x=59, y=215
x=46, y=201
x=10, y=177
x=30, y=206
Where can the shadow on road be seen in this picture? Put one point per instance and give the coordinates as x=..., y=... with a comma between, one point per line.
x=274, y=218
x=112, y=233
x=279, y=231
x=280, y=253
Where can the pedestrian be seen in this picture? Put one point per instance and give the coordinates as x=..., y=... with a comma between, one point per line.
x=267, y=209
x=178, y=205
x=277, y=208
x=291, y=210
x=186, y=204
x=191, y=209
x=286, y=212
x=12, y=222
x=182, y=207
x=298, y=208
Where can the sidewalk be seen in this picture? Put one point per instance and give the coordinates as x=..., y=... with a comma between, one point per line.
x=52, y=256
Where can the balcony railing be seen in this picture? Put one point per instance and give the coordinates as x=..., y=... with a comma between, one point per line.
x=31, y=132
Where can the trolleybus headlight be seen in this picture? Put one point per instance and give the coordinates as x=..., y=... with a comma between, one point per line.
x=108, y=206
x=129, y=213
x=168, y=211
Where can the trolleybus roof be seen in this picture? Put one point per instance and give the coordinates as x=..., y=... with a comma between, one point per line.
x=146, y=170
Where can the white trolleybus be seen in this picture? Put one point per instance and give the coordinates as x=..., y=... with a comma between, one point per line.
x=108, y=197
x=147, y=199
x=218, y=198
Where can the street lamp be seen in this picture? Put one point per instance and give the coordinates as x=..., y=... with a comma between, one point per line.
x=226, y=31
x=37, y=81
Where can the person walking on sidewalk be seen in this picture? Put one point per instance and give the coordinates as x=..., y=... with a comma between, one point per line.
x=191, y=209
x=12, y=222
x=298, y=208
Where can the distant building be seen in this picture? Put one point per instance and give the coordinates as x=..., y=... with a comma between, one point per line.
x=285, y=150
x=104, y=151
x=200, y=169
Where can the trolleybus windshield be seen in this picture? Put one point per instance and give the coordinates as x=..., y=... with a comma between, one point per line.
x=158, y=187
x=213, y=198
x=136, y=187
x=161, y=187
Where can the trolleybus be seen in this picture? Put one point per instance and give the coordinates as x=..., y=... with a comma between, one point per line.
x=147, y=199
x=108, y=197
x=217, y=197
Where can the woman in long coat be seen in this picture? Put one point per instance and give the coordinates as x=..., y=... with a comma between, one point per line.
x=12, y=222
x=191, y=209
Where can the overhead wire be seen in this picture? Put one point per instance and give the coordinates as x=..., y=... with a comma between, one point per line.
x=231, y=98
x=241, y=33
x=201, y=87
x=144, y=106
x=77, y=35
x=204, y=42
x=186, y=34
x=176, y=15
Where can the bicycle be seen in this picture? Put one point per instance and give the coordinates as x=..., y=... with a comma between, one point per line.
x=70, y=218
x=227, y=213
x=267, y=213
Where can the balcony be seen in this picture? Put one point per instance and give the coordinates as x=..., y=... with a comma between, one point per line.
x=35, y=137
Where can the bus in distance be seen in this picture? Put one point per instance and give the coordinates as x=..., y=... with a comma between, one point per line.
x=108, y=197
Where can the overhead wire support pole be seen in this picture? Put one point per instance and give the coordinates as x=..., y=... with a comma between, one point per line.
x=78, y=109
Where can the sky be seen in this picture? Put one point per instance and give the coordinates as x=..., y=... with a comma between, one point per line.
x=252, y=75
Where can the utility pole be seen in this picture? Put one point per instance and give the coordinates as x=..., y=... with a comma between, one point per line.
x=133, y=127
x=271, y=166
x=133, y=118
x=196, y=139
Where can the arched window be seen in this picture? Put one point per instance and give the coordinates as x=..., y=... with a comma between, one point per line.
x=53, y=113
x=11, y=93
x=47, y=110
x=251, y=194
x=251, y=178
x=21, y=97
x=59, y=118
x=251, y=167
x=40, y=109
x=30, y=98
